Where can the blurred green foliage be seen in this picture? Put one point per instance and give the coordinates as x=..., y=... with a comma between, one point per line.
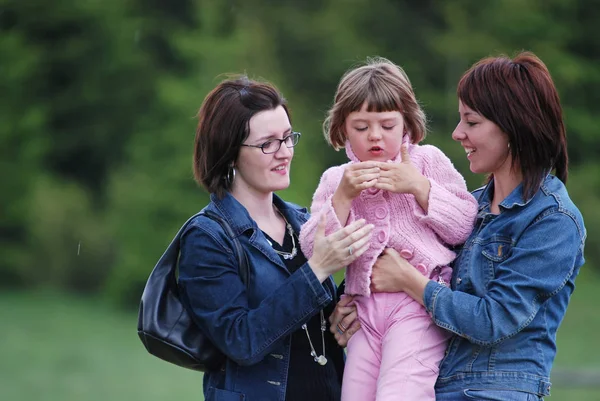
x=99, y=98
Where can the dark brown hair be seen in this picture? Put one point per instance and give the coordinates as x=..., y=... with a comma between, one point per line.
x=385, y=87
x=519, y=96
x=223, y=125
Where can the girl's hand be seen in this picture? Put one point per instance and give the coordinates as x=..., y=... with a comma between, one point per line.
x=343, y=321
x=401, y=177
x=357, y=176
x=337, y=250
x=404, y=178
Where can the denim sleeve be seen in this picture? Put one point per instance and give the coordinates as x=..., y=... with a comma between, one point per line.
x=213, y=290
x=540, y=264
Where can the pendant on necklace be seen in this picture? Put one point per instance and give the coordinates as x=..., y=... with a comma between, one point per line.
x=320, y=359
x=291, y=255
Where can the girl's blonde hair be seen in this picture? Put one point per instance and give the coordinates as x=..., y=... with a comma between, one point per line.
x=384, y=86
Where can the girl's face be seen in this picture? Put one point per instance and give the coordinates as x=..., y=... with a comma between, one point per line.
x=374, y=135
x=259, y=172
x=484, y=142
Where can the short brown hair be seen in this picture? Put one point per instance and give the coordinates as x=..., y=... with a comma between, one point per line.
x=384, y=86
x=223, y=125
x=519, y=96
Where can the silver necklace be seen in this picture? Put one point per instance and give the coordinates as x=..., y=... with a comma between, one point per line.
x=294, y=252
x=320, y=359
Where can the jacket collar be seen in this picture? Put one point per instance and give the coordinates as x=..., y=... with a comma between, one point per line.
x=352, y=156
x=240, y=221
x=515, y=198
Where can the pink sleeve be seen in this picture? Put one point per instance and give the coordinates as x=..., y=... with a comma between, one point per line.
x=321, y=204
x=452, y=208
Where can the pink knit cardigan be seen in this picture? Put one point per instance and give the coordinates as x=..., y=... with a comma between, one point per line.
x=400, y=222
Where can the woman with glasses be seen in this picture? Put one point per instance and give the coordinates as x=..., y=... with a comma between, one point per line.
x=273, y=330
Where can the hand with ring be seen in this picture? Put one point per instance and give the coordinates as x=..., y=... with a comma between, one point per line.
x=337, y=250
x=344, y=320
x=341, y=328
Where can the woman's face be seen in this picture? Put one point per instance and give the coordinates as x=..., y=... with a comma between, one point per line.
x=484, y=142
x=265, y=173
x=374, y=135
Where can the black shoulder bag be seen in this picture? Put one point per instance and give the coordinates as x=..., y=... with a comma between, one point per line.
x=164, y=325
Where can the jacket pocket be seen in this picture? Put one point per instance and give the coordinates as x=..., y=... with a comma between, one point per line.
x=498, y=250
x=494, y=253
x=217, y=394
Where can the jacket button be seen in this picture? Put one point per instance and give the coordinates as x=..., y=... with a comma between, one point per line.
x=406, y=253
x=381, y=212
x=458, y=280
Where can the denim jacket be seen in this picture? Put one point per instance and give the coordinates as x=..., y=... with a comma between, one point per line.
x=511, y=285
x=251, y=326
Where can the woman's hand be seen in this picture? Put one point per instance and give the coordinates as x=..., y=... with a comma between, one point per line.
x=404, y=178
x=393, y=273
x=337, y=250
x=343, y=321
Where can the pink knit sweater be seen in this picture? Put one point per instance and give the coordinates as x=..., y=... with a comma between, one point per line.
x=400, y=222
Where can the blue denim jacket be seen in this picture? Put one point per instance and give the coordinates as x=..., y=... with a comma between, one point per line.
x=251, y=326
x=511, y=285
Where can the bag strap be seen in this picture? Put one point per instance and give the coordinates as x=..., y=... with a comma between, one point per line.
x=169, y=258
x=244, y=270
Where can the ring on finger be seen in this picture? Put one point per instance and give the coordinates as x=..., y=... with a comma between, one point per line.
x=340, y=331
x=350, y=250
x=340, y=328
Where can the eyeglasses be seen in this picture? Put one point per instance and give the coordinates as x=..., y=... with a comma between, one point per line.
x=273, y=145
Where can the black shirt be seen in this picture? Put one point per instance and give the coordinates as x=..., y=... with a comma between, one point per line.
x=307, y=380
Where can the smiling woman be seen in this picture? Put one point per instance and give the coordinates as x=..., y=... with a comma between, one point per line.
x=272, y=329
x=514, y=275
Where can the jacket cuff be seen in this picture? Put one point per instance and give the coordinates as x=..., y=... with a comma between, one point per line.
x=318, y=289
x=430, y=295
x=438, y=197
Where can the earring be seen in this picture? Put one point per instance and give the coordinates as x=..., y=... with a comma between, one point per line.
x=230, y=175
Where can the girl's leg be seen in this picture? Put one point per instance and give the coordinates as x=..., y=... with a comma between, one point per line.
x=364, y=351
x=412, y=349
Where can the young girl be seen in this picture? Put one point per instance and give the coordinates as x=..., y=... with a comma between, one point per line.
x=419, y=205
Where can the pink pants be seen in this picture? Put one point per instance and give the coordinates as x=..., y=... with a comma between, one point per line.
x=396, y=354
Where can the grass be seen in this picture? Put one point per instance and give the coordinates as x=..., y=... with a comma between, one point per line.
x=59, y=348
x=63, y=348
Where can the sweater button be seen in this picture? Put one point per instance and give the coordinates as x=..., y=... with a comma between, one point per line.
x=381, y=212
x=406, y=253
x=372, y=190
x=381, y=236
x=422, y=268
